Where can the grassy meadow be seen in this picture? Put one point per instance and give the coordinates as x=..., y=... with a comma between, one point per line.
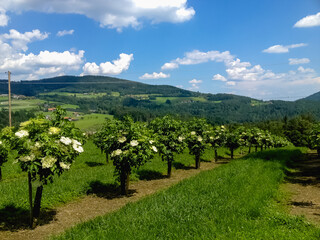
x=238, y=200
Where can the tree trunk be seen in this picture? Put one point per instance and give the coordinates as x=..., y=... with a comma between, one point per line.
x=261, y=147
x=30, y=201
x=37, y=202
x=107, y=157
x=256, y=148
x=169, y=168
x=216, y=155
x=197, y=161
x=231, y=150
x=0, y=174
x=124, y=181
x=249, y=149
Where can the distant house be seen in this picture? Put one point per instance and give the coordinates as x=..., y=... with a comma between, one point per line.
x=51, y=109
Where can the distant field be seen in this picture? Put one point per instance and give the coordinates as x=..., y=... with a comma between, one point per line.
x=78, y=95
x=164, y=99
x=92, y=121
x=25, y=104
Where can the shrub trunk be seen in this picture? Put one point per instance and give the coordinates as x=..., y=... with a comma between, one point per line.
x=124, y=181
x=37, y=202
x=169, y=168
x=216, y=155
x=197, y=161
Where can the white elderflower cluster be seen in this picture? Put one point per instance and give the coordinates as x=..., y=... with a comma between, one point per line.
x=77, y=146
x=22, y=133
x=193, y=133
x=48, y=161
x=64, y=165
x=27, y=158
x=134, y=143
x=154, y=149
x=65, y=140
x=180, y=138
x=54, y=130
x=199, y=139
x=116, y=152
x=122, y=139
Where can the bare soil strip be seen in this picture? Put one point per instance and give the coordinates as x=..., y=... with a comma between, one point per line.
x=304, y=184
x=91, y=206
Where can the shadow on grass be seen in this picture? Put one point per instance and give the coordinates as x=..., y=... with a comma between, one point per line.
x=178, y=165
x=107, y=190
x=13, y=218
x=93, y=164
x=150, y=175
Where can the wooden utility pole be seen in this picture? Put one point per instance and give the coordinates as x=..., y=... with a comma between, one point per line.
x=9, y=96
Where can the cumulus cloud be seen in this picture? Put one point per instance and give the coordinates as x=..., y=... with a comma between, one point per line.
x=3, y=18
x=19, y=41
x=169, y=66
x=109, y=68
x=295, y=61
x=112, y=14
x=305, y=70
x=154, y=75
x=65, y=32
x=230, y=83
x=219, y=77
x=309, y=21
x=283, y=49
x=195, y=81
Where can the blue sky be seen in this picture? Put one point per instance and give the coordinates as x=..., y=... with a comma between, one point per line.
x=262, y=49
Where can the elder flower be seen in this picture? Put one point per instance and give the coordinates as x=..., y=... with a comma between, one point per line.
x=122, y=139
x=134, y=143
x=193, y=133
x=65, y=140
x=22, y=133
x=77, y=148
x=28, y=158
x=64, y=165
x=180, y=139
x=154, y=149
x=116, y=152
x=54, y=130
x=48, y=161
x=200, y=139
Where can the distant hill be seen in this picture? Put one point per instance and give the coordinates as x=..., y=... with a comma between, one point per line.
x=89, y=84
x=120, y=97
x=313, y=97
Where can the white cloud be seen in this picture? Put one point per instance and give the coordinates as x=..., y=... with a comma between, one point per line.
x=195, y=81
x=112, y=14
x=114, y=68
x=3, y=18
x=305, y=70
x=219, y=77
x=154, y=75
x=179, y=86
x=309, y=21
x=19, y=41
x=231, y=83
x=65, y=32
x=283, y=49
x=169, y=66
x=295, y=61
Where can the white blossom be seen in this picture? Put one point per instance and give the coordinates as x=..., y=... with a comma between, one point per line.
x=116, y=152
x=64, y=165
x=22, y=133
x=27, y=158
x=151, y=141
x=200, y=139
x=193, y=133
x=77, y=148
x=154, y=149
x=122, y=139
x=134, y=143
x=54, y=130
x=0, y=142
x=75, y=142
x=180, y=139
x=65, y=140
x=48, y=161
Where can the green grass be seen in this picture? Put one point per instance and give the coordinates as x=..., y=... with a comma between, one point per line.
x=92, y=121
x=78, y=95
x=26, y=104
x=235, y=201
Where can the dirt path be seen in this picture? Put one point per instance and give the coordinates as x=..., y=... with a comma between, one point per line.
x=304, y=184
x=92, y=206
